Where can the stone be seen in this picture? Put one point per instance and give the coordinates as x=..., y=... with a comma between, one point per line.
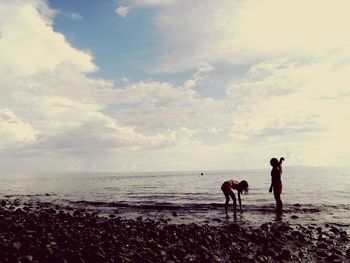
x=17, y=245
x=215, y=258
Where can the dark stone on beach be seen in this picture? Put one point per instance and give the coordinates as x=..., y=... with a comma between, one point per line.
x=234, y=228
x=334, y=230
x=29, y=258
x=336, y=251
x=265, y=226
x=333, y=258
x=215, y=258
x=285, y=254
x=76, y=235
x=322, y=253
x=322, y=245
x=348, y=252
x=262, y=258
x=17, y=245
x=343, y=234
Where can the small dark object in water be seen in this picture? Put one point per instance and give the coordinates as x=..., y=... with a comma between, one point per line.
x=294, y=217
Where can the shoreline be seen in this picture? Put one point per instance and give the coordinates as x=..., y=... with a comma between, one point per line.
x=47, y=232
x=202, y=213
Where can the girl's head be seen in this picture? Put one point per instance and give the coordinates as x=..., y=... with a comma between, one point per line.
x=274, y=162
x=243, y=186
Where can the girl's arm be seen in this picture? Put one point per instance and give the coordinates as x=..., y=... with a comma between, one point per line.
x=270, y=189
x=240, y=202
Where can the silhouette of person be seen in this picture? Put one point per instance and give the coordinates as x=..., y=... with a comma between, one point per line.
x=228, y=187
x=276, y=182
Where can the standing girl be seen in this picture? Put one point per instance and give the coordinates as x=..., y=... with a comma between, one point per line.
x=276, y=182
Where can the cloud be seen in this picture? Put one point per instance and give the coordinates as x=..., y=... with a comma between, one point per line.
x=300, y=108
x=122, y=11
x=14, y=131
x=75, y=16
x=24, y=22
x=53, y=113
x=238, y=32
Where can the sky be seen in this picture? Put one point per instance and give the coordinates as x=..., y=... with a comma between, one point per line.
x=167, y=85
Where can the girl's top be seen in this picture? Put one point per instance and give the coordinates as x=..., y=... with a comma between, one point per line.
x=228, y=185
x=276, y=176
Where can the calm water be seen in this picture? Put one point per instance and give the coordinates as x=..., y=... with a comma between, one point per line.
x=313, y=194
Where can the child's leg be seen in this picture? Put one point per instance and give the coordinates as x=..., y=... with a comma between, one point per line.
x=227, y=201
x=279, y=204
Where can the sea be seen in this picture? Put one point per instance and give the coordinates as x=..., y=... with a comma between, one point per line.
x=310, y=195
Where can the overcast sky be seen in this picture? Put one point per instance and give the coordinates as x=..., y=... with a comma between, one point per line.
x=146, y=85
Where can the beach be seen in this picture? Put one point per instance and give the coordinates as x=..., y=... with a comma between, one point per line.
x=173, y=217
x=47, y=232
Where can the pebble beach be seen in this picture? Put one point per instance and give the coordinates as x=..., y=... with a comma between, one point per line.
x=47, y=232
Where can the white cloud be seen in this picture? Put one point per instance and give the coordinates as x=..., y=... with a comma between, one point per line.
x=75, y=16
x=122, y=11
x=297, y=105
x=14, y=131
x=28, y=43
x=238, y=32
x=53, y=113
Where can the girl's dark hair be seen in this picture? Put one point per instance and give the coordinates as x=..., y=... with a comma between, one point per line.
x=243, y=185
x=274, y=162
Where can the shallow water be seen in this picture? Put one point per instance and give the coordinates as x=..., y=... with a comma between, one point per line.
x=310, y=195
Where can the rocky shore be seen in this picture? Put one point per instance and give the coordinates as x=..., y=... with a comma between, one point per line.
x=44, y=232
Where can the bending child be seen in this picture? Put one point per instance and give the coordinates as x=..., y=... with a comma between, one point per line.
x=228, y=187
x=276, y=182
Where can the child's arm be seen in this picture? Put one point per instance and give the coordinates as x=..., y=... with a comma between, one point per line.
x=240, y=202
x=270, y=189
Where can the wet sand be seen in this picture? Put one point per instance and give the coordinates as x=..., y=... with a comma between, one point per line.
x=47, y=232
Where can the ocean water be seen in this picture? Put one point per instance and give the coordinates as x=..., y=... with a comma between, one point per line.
x=310, y=195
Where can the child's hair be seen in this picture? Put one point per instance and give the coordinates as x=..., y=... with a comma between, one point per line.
x=274, y=162
x=243, y=185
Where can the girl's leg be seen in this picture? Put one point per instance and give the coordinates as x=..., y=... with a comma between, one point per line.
x=227, y=201
x=279, y=204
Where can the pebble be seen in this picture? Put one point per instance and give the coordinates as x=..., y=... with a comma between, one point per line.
x=37, y=233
